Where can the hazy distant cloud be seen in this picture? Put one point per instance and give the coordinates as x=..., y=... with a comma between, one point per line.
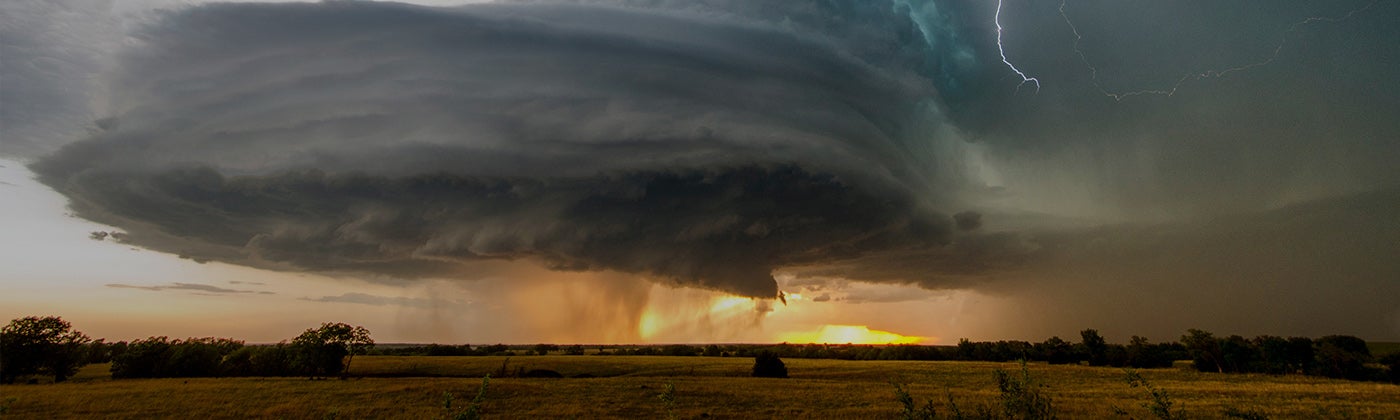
x=368, y=299
x=251, y=283
x=191, y=287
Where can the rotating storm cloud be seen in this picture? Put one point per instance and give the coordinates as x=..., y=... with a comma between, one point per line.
x=721, y=145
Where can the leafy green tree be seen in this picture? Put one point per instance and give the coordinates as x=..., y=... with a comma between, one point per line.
x=329, y=349
x=41, y=345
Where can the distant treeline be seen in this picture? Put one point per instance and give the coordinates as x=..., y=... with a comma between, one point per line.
x=1139, y=353
x=49, y=346
x=324, y=351
x=1334, y=356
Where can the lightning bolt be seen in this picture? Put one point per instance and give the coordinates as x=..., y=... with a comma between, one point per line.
x=1190, y=77
x=1024, y=78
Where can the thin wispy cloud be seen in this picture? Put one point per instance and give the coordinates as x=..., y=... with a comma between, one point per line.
x=375, y=300
x=189, y=287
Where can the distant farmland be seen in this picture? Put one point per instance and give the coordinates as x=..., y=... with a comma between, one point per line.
x=704, y=387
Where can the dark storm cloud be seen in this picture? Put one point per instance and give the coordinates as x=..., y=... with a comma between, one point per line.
x=189, y=287
x=52, y=53
x=721, y=228
x=701, y=147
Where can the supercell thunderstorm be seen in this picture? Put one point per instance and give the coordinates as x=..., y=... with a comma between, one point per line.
x=718, y=143
x=691, y=144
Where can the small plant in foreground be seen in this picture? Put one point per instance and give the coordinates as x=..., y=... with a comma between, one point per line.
x=473, y=410
x=1021, y=396
x=1161, y=404
x=668, y=400
x=910, y=411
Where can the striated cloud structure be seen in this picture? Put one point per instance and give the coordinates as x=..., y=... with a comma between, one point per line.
x=682, y=143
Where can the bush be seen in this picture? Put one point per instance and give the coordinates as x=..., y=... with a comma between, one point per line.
x=768, y=365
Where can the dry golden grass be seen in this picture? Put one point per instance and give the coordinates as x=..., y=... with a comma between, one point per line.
x=627, y=386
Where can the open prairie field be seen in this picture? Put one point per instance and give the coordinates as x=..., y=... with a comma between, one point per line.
x=705, y=387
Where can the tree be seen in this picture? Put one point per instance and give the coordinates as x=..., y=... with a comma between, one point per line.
x=146, y=358
x=1057, y=351
x=35, y=345
x=329, y=349
x=1342, y=356
x=1095, y=347
x=1204, y=349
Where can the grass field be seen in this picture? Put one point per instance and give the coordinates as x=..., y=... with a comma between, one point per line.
x=705, y=387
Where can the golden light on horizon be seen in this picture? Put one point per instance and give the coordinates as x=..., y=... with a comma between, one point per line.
x=852, y=334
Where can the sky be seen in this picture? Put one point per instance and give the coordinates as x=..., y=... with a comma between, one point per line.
x=660, y=171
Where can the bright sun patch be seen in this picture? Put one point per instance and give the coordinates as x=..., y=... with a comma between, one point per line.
x=852, y=334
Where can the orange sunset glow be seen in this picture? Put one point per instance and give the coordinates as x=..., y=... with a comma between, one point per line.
x=850, y=334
